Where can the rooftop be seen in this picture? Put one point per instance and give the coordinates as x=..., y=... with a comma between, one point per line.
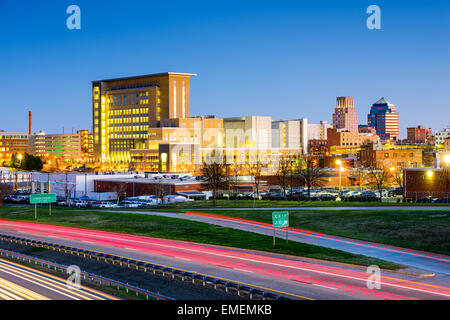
x=148, y=75
x=383, y=101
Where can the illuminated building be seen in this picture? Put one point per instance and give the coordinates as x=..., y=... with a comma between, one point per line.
x=318, y=131
x=183, y=145
x=441, y=136
x=425, y=182
x=248, y=132
x=189, y=158
x=12, y=142
x=345, y=116
x=123, y=110
x=167, y=147
x=340, y=140
x=317, y=146
x=384, y=118
x=286, y=134
x=447, y=144
x=418, y=134
x=65, y=147
x=393, y=157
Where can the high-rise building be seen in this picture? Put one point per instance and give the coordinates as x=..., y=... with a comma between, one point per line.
x=384, y=118
x=286, y=134
x=345, y=116
x=418, y=134
x=318, y=131
x=124, y=109
x=248, y=132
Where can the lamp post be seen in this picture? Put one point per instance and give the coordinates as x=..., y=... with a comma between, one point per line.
x=292, y=162
x=339, y=163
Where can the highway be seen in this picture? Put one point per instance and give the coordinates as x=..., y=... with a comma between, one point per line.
x=428, y=262
x=294, y=277
x=18, y=282
x=374, y=208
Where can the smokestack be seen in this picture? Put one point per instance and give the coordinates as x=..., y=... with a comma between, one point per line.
x=30, y=123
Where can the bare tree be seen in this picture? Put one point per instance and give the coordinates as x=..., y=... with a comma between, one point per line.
x=160, y=189
x=311, y=175
x=120, y=189
x=5, y=190
x=379, y=176
x=257, y=175
x=282, y=174
x=444, y=178
x=398, y=178
x=214, y=174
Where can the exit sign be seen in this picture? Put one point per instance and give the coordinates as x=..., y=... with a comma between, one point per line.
x=280, y=219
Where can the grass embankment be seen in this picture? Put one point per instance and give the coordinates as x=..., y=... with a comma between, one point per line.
x=282, y=203
x=171, y=228
x=421, y=230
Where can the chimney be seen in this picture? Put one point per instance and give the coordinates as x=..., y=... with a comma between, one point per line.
x=30, y=123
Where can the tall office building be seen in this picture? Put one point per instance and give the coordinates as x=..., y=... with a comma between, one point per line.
x=345, y=116
x=248, y=132
x=286, y=134
x=384, y=118
x=123, y=109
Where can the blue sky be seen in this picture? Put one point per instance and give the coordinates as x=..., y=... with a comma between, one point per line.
x=286, y=59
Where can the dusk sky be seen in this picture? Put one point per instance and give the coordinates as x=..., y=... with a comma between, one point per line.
x=285, y=59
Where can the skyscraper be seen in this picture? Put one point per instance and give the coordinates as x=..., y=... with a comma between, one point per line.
x=124, y=109
x=384, y=118
x=345, y=116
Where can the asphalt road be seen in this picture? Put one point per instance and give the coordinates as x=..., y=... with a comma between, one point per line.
x=428, y=262
x=290, y=276
x=18, y=282
x=375, y=208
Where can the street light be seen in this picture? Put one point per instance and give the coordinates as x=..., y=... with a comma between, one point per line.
x=447, y=159
x=339, y=162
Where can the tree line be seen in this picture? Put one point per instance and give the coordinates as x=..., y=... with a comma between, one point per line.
x=27, y=162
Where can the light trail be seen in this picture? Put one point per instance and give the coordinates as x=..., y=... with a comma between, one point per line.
x=320, y=235
x=237, y=259
x=47, y=282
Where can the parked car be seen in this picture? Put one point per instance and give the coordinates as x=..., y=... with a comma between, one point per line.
x=130, y=204
x=80, y=204
x=172, y=198
x=103, y=204
x=396, y=192
x=428, y=199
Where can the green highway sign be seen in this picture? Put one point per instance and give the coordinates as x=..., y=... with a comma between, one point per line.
x=280, y=219
x=42, y=198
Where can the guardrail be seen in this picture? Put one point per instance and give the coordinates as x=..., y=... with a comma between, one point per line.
x=228, y=286
x=84, y=275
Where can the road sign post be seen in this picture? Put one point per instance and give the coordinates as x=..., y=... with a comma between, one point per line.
x=280, y=219
x=43, y=198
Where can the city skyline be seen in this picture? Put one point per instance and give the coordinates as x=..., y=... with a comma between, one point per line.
x=338, y=59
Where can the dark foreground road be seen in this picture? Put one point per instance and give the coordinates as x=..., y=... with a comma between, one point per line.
x=18, y=282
